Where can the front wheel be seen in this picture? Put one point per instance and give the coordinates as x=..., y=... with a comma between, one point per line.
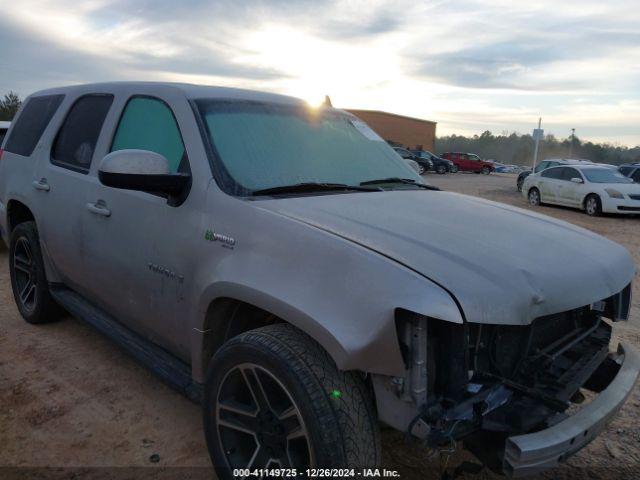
x=274, y=398
x=421, y=169
x=441, y=169
x=485, y=171
x=593, y=205
x=454, y=169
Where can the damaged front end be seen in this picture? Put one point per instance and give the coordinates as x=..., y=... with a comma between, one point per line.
x=509, y=392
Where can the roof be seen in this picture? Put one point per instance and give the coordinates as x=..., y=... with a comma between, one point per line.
x=189, y=90
x=567, y=160
x=580, y=166
x=380, y=112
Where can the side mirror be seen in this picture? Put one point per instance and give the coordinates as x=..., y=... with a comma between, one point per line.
x=577, y=180
x=143, y=171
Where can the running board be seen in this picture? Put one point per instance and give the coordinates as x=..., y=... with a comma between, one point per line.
x=170, y=369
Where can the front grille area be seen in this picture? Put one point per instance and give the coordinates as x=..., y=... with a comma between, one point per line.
x=545, y=363
x=634, y=197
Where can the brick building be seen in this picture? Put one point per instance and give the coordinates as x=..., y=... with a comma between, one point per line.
x=407, y=131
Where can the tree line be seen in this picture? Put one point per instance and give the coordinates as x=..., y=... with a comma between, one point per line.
x=511, y=149
x=518, y=149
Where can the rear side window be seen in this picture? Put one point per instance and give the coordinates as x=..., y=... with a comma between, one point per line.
x=77, y=138
x=29, y=126
x=541, y=166
x=626, y=170
x=553, y=173
x=570, y=173
x=636, y=175
x=149, y=124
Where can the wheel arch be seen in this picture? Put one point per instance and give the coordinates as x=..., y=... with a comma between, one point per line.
x=17, y=213
x=237, y=309
x=587, y=195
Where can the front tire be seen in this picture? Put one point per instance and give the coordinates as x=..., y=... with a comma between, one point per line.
x=441, y=169
x=421, y=169
x=485, y=171
x=28, y=278
x=274, y=397
x=593, y=205
x=454, y=169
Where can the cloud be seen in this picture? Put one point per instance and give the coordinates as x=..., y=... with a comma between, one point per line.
x=469, y=64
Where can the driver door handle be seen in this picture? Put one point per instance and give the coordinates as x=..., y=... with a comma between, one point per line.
x=99, y=208
x=41, y=185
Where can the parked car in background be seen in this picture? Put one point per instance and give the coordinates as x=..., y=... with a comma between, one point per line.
x=439, y=165
x=511, y=169
x=424, y=164
x=414, y=165
x=631, y=170
x=548, y=163
x=592, y=188
x=4, y=127
x=469, y=162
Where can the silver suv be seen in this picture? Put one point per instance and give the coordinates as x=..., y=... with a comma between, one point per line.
x=283, y=266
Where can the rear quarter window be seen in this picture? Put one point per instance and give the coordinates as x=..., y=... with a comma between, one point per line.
x=31, y=123
x=77, y=138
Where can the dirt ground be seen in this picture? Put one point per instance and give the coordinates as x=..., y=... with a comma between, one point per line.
x=72, y=405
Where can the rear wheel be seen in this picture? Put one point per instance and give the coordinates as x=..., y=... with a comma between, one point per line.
x=534, y=197
x=274, y=398
x=454, y=169
x=28, y=277
x=421, y=169
x=519, y=183
x=593, y=205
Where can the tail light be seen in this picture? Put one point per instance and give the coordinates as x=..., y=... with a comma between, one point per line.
x=1, y=152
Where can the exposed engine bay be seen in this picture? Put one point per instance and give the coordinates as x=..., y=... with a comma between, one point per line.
x=484, y=383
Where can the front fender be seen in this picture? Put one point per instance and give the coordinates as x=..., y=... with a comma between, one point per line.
x=338, y=292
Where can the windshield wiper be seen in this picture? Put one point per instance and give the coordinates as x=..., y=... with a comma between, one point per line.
x=406, y=181
x=312, y=187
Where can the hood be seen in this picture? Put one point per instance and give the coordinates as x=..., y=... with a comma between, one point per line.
x=504, y=265
x=626, y=188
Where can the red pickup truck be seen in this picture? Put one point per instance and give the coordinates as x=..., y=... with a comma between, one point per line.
x=469, y=162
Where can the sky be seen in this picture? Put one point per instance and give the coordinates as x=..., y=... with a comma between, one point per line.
x=469, y=65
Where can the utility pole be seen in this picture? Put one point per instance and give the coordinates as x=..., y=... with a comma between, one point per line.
x=537, y=134
x=573, y=134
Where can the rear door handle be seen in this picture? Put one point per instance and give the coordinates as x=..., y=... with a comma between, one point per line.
x=99, y=208
x=41, y=185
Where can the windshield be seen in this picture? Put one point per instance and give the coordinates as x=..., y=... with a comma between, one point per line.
x=605, y=175
x=262, y=146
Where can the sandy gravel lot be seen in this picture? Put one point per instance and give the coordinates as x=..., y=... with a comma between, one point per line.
x=72, y=405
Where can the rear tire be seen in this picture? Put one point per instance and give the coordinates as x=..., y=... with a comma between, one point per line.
x=593, y=205
x=534, y=197
x=291, y=373
x=28, y=278
x=454, y=169
x=421, y=169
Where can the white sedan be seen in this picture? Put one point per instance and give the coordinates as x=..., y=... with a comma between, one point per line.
x=592, y=188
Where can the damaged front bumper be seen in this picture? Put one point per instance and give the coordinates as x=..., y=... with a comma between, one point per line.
x=532, y=453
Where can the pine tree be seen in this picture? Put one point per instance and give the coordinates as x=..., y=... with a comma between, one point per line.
x=9, y=105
